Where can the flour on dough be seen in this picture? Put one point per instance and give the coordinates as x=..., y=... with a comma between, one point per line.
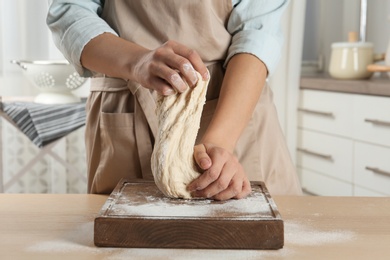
x=172, y=162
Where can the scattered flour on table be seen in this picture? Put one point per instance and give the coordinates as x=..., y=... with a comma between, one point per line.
x=296, y=233
x=80, y=240
x=188, y=254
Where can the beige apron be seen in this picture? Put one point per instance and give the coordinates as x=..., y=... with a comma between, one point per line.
x=121, y=120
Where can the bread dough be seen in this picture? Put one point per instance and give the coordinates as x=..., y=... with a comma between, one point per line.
x=172, y=162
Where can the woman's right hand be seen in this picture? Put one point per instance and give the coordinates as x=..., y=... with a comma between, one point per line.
x=165, y=68
x=162, y=69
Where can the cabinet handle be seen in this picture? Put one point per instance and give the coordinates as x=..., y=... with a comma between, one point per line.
x=378, y=171
x=377, y=122
x=323, y=156
x=320, y=113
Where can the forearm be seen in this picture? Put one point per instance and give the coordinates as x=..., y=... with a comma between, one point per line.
x=111, y=55
x=241, y=88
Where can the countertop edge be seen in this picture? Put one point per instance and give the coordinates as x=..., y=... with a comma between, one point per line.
x=373, y=86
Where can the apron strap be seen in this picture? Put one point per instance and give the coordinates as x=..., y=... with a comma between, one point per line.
x=145, y=117
x=147, y=104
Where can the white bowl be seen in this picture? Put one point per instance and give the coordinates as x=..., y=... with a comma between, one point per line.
x=54, y=79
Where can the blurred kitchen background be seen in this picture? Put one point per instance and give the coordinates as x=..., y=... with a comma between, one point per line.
x=311, y=26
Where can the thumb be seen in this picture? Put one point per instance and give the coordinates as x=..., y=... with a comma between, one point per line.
x=201, y=157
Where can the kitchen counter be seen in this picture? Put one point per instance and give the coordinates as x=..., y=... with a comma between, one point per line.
x=374, y=86
x=50, y=226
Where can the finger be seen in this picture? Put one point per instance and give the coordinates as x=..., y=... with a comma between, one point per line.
x=172, y=77
x=246, y=190
x=199, y=184
x=201, y=157
x=161, y=87
x=184, y=66
x=226, y=176
x=234, y=189
x=218, y=159
x=193, y=57
x=162, y=70
x=203, y=160
x=239, y=188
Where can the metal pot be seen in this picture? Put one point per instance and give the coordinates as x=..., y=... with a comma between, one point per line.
x=349, y=60
x=387, y=60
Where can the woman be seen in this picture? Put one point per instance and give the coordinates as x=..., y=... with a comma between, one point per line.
x=136, y=49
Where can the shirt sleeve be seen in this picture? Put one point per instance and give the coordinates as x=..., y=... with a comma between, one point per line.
x=255, y=27
x=73, y=24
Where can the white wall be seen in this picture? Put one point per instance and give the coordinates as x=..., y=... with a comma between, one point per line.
x=23, y=35
x=378, y=27
x=285, y=80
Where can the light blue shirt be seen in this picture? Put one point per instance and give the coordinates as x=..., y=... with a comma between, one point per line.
x=254, y=25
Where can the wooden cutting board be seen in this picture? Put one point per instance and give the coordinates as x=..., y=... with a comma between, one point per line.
x=137, y=214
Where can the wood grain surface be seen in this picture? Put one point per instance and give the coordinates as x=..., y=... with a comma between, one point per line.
x=60, y=226
x=138, y=215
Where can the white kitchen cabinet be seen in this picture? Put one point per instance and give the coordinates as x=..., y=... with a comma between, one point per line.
x=372, y=167
x=315, y=183
x=326, y=154
x=344, y=143
x=371, y=120
x=326, y=112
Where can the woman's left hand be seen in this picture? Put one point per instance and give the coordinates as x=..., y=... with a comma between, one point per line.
x=223, y=178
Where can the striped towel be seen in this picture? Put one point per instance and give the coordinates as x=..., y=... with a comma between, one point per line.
x=43, y=123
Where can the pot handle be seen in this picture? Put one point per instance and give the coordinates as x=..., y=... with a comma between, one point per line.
x=379, y=57
x=378, y=68
x=17, y=62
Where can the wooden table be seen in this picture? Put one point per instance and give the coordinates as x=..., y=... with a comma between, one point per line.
x=49, y=226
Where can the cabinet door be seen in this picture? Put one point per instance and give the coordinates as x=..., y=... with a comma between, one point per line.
x=326, y=154
x=326, y=112
x=315, y=183
x=372, y=167
x=371, y=121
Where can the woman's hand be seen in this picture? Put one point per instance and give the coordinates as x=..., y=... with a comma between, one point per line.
x=223, y=178
x=161, y=69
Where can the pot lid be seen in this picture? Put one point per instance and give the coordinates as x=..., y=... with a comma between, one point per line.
x=352, y=45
